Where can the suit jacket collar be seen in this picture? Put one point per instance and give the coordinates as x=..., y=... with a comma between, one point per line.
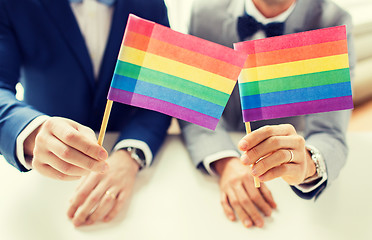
x=62, y=15
x=302, y=17
x=236, y=8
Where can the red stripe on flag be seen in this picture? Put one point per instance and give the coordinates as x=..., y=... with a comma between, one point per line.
x=296, y=54
x=292, y=40
x=189, y=42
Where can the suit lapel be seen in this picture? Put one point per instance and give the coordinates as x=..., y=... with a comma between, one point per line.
x=301, y=19
x=234, y=10
x=109, y=59
x=62, y=15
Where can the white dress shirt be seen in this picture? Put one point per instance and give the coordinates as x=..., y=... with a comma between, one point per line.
x=94, y=20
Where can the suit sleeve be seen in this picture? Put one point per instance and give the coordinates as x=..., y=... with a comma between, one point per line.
x=14, y=114
x=327, y=131
x=202, y=142
x=147, y=126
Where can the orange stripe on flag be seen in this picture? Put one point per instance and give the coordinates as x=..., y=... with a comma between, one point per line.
x=296, y=54
x=135, y=40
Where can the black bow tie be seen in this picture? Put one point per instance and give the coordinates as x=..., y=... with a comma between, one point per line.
x=247, y=26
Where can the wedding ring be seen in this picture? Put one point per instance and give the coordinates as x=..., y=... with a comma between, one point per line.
x=110, y=194
x=291, y=159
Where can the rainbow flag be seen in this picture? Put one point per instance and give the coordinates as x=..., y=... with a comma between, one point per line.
x=173, y=73
x=295, y=74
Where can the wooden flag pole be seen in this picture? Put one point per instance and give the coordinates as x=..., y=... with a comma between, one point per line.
x=248, y=130
x=104, y=122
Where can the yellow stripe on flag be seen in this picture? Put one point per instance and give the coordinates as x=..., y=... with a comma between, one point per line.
x=294, y=68
x=178, y=69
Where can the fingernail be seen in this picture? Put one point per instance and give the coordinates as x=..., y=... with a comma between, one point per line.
x=102, y=155
x=247, y=223
x=254, y=171
x=244, y=158
x=259, y=223
x=231, y=217
x=104, y=168
x=243, y=145
x=268, y=213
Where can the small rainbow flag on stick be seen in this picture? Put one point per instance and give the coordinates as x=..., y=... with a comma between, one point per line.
x=295, y=74
x=173, y=73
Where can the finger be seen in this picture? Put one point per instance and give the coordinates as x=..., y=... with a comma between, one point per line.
x=266, y=193
x=87, y=131
x=49, y=171
x=86, y=187
x=119, y=204
x=83, y=180
x=276, y=172
x=235, y=204
x=75, y=157
x=248, y=206
x=67, y=132
x=276, y=159
x=65, y=167
x=270, y=145
x=91, y=202
x=229, y=212
x=256, y=197
x=252, y=139
x=106, y=204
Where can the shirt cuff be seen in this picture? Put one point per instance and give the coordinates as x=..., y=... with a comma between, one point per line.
x=22, y=137
x=136, y=144
x=307, y=187
x=217, y=156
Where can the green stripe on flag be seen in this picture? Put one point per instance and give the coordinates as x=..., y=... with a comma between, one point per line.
x=294, y=82
x=172, y=82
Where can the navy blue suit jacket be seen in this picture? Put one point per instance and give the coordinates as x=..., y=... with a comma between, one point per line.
x=41, y=44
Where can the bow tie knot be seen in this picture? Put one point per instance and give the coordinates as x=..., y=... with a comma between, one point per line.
x=107, y=2
x=247, y=26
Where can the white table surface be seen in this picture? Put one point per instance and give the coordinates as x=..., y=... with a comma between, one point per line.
x=174, y=201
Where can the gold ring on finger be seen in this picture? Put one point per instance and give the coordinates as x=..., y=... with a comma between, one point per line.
x=291, y=159
x=110, y=194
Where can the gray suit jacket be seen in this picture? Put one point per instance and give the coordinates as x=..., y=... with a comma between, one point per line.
x=216, y=20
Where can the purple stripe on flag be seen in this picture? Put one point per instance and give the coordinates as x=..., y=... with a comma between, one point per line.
x=301, y=108
x=171, y=109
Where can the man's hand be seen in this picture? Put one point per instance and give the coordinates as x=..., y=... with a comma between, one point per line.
x=271, y=148
x=64, y=149
x=102, y=196
x=239, y=195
